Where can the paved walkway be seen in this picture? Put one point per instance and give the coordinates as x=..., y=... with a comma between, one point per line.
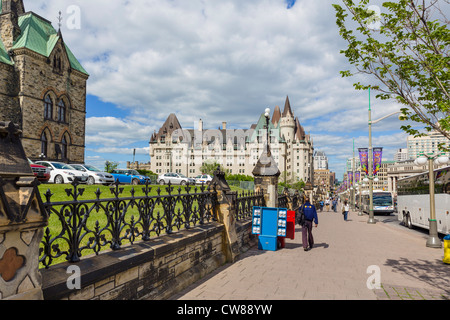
x=346, y=254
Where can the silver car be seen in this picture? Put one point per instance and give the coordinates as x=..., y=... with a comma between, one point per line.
x=174, y=178
x=96, y=176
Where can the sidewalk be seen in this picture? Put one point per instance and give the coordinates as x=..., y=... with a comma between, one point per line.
x=336, y=268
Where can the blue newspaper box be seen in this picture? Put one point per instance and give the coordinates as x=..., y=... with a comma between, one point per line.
x=269, y=224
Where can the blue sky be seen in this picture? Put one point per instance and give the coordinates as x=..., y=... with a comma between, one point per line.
x=219, y=61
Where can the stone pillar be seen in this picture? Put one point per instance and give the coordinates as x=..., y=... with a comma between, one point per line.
x=266, y=175
x=226, y=209
x=22, y=219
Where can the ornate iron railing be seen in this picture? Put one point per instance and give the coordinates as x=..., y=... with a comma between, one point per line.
x=92, y=225
x=244, y=204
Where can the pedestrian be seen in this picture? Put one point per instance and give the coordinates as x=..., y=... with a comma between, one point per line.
x=345, y=209
x=334, y=204
x=309, y=210
x=327, y=204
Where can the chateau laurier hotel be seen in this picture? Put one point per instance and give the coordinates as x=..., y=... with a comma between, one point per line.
x=174, y=149
x=42, y=85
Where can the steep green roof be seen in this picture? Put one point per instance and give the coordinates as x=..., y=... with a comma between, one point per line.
x=262, y=125
x=38, y=35
x=4, y=57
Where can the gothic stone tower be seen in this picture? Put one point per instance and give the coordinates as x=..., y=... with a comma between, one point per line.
x=42, y=85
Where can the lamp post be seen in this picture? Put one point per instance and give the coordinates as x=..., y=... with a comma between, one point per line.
x=433, y=240
x=370, y=162
x=267, y=115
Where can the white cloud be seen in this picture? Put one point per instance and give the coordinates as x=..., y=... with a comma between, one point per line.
x=216, y=60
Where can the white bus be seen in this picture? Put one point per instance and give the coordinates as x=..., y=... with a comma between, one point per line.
x=413, y=200
x=383, y=203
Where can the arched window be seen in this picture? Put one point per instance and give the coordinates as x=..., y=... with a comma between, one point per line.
x=64, y=148
x=48, y=107
x=61, y=111
x=44, y=144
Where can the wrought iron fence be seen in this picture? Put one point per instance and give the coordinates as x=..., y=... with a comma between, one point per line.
x=245, y=202
x=92, y=225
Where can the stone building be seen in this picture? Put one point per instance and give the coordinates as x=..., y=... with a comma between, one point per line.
x=174, y=149
x=42, y=86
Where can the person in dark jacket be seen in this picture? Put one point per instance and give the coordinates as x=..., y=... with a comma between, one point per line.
x=310, y=213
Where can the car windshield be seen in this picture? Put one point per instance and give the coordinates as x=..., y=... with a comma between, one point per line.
x=58, y=165
x=91, y=168
x=133, y=172
x=182, y=175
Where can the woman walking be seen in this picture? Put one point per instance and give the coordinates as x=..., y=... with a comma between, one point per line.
x=345, y=209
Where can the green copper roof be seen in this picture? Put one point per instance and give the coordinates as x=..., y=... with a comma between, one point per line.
x=4, y=57
x=39, y=36
x=262, y=125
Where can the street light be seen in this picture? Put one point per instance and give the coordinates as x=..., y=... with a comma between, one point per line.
x=433, y=240
x=267, y=115
x=370, y=164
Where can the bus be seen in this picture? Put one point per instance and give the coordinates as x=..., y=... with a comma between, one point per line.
x=413, y=200
x=383, y=202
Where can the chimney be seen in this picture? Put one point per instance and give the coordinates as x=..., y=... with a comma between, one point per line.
x=224, y=125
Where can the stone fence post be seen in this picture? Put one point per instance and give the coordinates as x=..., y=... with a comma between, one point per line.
x=226, y=209
x=266, y=175
x=22, y=219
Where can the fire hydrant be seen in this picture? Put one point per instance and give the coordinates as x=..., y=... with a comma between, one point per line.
x=446, y=249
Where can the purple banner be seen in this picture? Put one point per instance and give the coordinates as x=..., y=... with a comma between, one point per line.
x=363, y=158
x=377, y=155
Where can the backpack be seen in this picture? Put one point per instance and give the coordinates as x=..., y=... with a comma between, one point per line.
x=301, y=216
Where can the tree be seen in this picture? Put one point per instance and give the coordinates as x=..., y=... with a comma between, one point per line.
x=110, y=166
x=405, y=50
x=208, y=167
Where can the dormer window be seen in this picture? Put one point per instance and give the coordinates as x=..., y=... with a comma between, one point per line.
x=57, y=63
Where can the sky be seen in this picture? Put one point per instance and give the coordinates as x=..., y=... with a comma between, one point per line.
x=215, y=60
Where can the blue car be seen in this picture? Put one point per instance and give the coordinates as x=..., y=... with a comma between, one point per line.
x=129, y=176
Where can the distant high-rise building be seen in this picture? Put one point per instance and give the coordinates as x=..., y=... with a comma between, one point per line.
x=320, y=160
x=426, y=144
x=401, y=154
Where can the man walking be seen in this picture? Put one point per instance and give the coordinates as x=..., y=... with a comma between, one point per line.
x=310, y=213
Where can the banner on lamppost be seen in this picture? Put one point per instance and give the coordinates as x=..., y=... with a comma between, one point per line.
x=350, y=178
x=363, y=159
x=377, y=155
x=357, y=176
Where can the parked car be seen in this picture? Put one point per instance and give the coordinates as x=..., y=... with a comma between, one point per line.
x=129, y=176
x=62, y=172
x=203, y=178
x=174, y=178
x=42, y=173
x=95, y=174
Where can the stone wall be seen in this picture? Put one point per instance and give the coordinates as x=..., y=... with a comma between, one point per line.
x=153, y=270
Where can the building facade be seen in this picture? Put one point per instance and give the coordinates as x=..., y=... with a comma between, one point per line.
x=44, y=86
x=320, y=161
x=174, y=149
x=426, y=144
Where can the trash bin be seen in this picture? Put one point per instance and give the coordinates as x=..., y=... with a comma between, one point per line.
x=446, y=249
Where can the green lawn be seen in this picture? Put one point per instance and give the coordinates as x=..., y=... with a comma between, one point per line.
x=97, y=218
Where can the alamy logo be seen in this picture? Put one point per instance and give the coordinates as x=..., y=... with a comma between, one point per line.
x=74, y=281
x=374, y=281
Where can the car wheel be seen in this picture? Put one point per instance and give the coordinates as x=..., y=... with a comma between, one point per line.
x=161, y=182
x=91, y=180
x=59, y=179
x=135, y=182
x=183, y=182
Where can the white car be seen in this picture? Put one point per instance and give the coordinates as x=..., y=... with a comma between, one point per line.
x=174, y=178
x=95, y=174
x=203, y=178
x=63, y=173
